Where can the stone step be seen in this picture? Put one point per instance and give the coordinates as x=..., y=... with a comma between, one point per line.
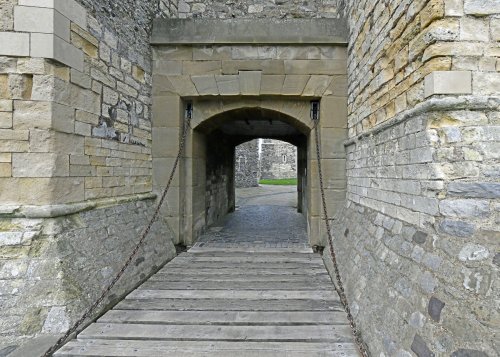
x=225, y=317
x=243, y=265
x=139, y=348
x=241, y=277
x=255, y=258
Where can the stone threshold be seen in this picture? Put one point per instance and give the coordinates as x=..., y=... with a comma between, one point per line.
x=53, y=211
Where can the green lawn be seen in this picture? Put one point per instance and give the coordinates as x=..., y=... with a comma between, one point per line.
x=284, y=182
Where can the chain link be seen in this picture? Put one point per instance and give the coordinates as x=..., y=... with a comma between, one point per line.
x=339, y=286
x=90, y=311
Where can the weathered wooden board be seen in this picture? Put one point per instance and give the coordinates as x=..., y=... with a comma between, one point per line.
x=229, y=305
x=303, y=333
x=234, y=294
x=128, y=348
x=226, y=317
x=242, y=284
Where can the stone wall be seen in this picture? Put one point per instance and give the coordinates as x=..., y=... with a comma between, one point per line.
x=418, y=236
x=258, y=9
x=278, y=160
x=75, y=131
x=52, y=269
x=247, y=164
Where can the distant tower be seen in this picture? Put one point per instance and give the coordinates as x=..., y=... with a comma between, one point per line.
x=278, y=160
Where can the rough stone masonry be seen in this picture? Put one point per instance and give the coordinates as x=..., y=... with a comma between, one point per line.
x=418, y=235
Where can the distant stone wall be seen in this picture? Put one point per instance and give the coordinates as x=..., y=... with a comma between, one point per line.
x=247, y=164
x=278, y=160
x=52, y=269
x=417, y=240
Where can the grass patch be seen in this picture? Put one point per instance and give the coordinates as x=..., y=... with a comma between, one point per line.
x=284, y=182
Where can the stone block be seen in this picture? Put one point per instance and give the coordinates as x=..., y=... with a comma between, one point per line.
x=294, y=84
x=434, y=308
x=337, y=87
x=205, y=84
x=328, y=67
x=69, y=8
x=212, y=53
x=14, y=44
x=481, y=7
x=333, y=112
x=5, y=169
x=5, y=120
x=183, y=86
x=453, y=7
x=332, y=143
x=165, y=142
x=9, y=134
x=317, y=85
x=250, y=82
x=464, y=208
x=271, y=84
x=81, y=79
x=40, y=165
x=457, y=228
x=5, y=157
x=162, y=167
x=173, y=53
x=266, y=66
x=31, y=114
x=432, y=11
x=49, y=46
x=474, y=189
x=495, y=29
x=228, y=84
x=167, y=111
x=43, y=20
x=486, y=83
x=86, y=117
x=41, y=191
x=201, y=67
x=474, y=29
x=168, y=68
x=464, y=352
x=448, y=82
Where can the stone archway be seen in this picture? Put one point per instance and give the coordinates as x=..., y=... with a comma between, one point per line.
x=227, y=79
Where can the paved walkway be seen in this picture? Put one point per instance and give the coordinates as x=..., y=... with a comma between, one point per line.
x=265, y=215
x=230, y=295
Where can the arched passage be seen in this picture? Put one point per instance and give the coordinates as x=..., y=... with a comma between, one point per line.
x=213, y=142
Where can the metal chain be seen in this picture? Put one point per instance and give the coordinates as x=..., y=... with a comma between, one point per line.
x=339, y=286
x=89, y=312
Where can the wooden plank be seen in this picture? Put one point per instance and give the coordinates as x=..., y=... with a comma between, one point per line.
x=229, y=305
x=253, y=249
x=226, y=317
x=255, y=255
x=128, y=348
x=240, y=285
x=245, y=265
x=249, y=278
x=142, y=293
x=259, y=271
x=250, y=259
x=304, y=333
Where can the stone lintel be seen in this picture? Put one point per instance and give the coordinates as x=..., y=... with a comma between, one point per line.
x=249, y=31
